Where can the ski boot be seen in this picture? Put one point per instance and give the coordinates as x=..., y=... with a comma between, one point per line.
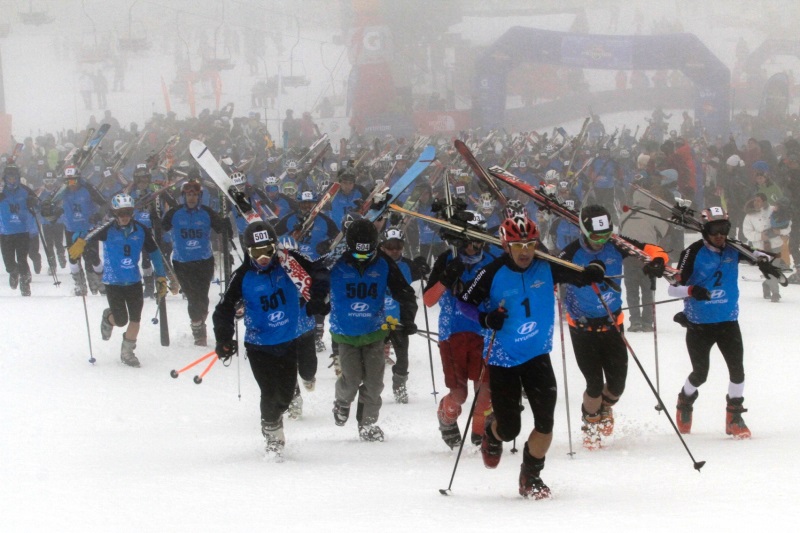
x=607, y=417
x=370, y=433
x=341, y=412
x=273, y=433
x=683, y=416
x=127, y=355
x=734, y=423
x=94, y=281
x=530, y=484
x=296, y=405
x=25, y=284
x=451, y=435
x=491, y=447
x=106, y=327
x=199, y=333
x=399, y=388
x=13, y=281
x=475, y=438
x=591, y=429
x=80, y=284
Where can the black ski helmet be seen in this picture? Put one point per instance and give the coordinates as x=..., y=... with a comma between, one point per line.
x=362, y=238
x=595, y=219
x=260, y=234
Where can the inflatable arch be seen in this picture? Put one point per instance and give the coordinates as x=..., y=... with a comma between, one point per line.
x=680, y=51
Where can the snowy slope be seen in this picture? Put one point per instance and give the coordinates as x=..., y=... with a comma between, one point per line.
x=108, y=447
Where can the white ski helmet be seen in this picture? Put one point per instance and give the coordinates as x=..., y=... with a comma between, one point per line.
x=551, y=175
x=121, y=201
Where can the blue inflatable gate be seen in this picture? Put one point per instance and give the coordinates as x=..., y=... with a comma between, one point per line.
x=681, y=51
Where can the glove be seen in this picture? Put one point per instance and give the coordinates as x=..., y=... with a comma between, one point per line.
x=226, y=349
x=380, y=199
x=410, y=329
x=48, y=210
x=655, y=268
x=494, y=319
x=422, y=265
x=452, y=273
x=699, y=293
x=317, y=306
x=323, y=247
x=594, y=272
x=76, y=250
x=161, y=287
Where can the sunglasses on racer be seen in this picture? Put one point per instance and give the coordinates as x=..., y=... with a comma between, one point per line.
x=523, y=245
x=124, y=212
x=719, y=227
x=265, y=250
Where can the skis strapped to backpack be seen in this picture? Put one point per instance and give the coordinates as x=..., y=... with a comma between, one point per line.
x=206, y=160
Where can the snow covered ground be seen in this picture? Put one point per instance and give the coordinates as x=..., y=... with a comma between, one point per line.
x=108, y=447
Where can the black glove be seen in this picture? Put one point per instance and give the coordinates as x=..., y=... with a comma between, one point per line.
x=31, y=202
x=422, y=265
x=48, y=209
x=594, y=272
x=655, y=268
x=323, y=247
x=767, y=268
x=699, y=293
x=410, y=328
x=494, y=319
x=452, y=273
x=226, y=349
x=317, y=306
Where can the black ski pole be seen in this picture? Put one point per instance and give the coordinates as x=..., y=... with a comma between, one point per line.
x=51, y=259
x=444, y=492
x=697, y=464
x=654, y=303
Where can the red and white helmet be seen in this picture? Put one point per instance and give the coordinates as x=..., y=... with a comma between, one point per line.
x=517, y=229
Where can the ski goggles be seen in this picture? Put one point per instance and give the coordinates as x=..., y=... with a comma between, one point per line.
x=192, y=187
x=599, y=238
x=123, y=212
x=265, y=250
x=363, y=257
x=394, y=246
x=719, y=227
x=523, y=245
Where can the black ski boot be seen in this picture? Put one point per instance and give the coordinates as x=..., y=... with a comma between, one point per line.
x=530, y=484
x=13, y=281
x=25, y=284
x=341, y=412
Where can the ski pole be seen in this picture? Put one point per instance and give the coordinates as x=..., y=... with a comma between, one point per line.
x=51, y=259
x=444, y=492
x=86, y=314
x=176, y=373
x=429, y=338
x=154, y=320
x=430, y=349
x=697, y=464
x=564, y=365
x=654, y=304
x=199, y=379
x=655, y=338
